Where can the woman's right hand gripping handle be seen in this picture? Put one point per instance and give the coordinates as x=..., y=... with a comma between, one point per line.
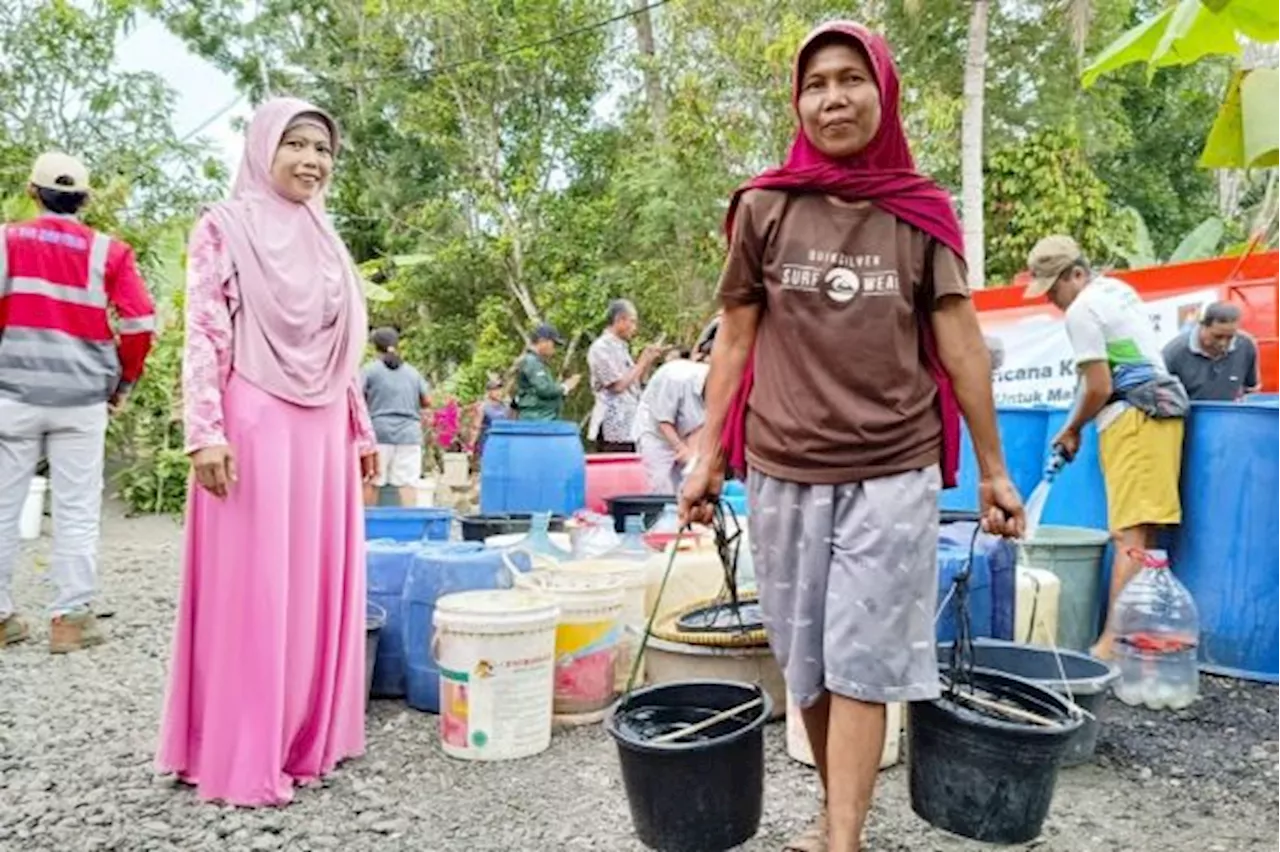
x=215, y=469
x=701, y=492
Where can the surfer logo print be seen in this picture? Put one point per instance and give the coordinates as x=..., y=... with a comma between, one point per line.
x=840, y=276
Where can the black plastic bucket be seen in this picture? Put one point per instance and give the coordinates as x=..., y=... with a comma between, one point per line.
x=701, y=796
x=1088, y=679
x=374, y=619
x=649, y=506
x=983, y=777
x=480, y=527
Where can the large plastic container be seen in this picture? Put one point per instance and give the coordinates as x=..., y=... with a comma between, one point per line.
x=992, y=581
x=533, y=466
x=484, y=527
x=1082, y=678
x=496, y=655
x=1074, y=555
x=1022, y=435
x=1157, y=630
x=387, y=564
x=1079, y=495
x=433, y=573
x=629, y=575
x=706, y=795
x=1225, y=552
x=648, y=506
x=411, y=523
x=609, y=474
x=1036, y=613
x=587, y=639
x=375, y=618
x=983, y=777
x=697, y=575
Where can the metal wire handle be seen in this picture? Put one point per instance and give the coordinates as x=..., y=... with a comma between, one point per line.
x=962, y=654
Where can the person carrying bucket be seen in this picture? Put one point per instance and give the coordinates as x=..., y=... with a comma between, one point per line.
x=847, y=351
x=1126, y=390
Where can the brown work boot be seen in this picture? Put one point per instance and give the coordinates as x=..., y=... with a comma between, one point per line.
x=73, y=631
x=13, y=630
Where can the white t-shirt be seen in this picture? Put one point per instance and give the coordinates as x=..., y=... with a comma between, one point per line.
x=1109, y=322
x=673, y=395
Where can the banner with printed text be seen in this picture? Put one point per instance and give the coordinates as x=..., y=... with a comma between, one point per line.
x=1038, y=366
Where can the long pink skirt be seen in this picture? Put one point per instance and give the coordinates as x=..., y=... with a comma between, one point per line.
x=266, y=685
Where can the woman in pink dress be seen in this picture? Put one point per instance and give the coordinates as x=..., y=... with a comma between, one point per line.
x=266, y=685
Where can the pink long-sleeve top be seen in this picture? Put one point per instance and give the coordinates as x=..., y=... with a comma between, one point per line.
x=206, y=361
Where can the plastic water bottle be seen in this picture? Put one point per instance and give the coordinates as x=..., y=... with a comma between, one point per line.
x=1157, y=632
x=538, y=541
x=632, y=546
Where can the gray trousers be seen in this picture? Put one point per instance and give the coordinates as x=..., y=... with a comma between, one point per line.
x=73, y=438
x=848, y=581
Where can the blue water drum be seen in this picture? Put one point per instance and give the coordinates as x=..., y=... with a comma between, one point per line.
x=1022, y=435
x=407, y=523
x=387, y=564
x=438, y=571
x=533, y=466
x=1078, y=497
x=1225, y=551
x=992, y=582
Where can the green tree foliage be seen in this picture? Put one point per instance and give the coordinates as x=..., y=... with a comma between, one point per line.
x=1070, y=199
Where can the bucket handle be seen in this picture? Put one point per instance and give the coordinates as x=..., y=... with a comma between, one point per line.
x=520, y=579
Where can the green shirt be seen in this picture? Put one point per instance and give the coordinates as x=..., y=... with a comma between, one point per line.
x=538, y=395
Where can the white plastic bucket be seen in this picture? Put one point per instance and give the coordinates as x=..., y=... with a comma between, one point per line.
x=456, y=469
x=798, y=740
x=33, y=509
x=426, y=493
x=587, y=638
x=631, y=577
x=496, y=652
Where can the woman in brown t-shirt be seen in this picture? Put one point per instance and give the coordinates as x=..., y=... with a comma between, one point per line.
x=850, y=337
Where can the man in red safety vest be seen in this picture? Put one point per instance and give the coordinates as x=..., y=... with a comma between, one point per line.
x=64, y=365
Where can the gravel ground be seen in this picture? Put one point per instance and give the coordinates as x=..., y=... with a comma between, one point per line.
x=77, y=735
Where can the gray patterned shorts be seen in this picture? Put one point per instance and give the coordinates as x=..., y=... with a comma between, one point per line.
x=848, y=580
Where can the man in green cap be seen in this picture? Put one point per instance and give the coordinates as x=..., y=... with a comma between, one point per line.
x=1126, y=390
x=538, y=395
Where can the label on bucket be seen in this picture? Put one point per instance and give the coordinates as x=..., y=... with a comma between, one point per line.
x=498, y=708
x=586, y=665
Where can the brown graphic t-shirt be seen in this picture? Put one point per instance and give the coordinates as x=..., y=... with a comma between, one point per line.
x=841, y=393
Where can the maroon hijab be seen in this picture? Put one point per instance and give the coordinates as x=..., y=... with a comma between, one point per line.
x=884, y=174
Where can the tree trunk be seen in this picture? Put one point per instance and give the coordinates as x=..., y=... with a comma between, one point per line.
x=649, y=68
x=975, y=80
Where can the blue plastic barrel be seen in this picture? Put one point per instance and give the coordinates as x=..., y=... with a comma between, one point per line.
x=437, y=571
x=1078, y=497
x=1261, y=398
x=387, y=564
x=1225, y=552
x=734, y=496
x=1022, y=435
x=533, y=466
x=407, y=523
x=992, y=582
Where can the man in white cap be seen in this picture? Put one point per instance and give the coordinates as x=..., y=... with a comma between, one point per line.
x=63, y=365
x=1126, y=390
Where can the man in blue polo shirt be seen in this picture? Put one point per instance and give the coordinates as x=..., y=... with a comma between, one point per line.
x=1213, y=358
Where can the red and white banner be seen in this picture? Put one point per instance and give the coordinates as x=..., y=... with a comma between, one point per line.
x=1038, y=366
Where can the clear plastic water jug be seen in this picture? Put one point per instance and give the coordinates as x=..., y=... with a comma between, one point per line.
x=538, y=541
x=1157, y=632
x=632, y=546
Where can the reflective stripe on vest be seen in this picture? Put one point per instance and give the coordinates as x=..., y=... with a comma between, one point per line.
x=53, y=368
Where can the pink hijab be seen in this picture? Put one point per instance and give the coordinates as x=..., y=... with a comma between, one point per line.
x=884, y=173
x=301, y=325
